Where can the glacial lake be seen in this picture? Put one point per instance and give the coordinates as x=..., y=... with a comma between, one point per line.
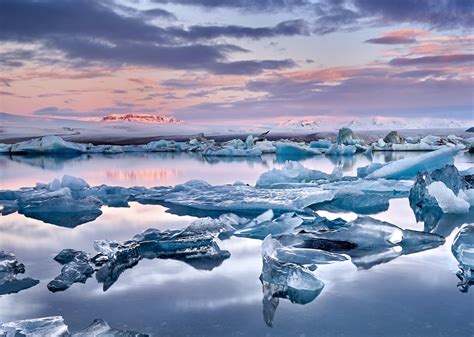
x=411, y=295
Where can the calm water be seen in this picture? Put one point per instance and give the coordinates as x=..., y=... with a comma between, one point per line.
x=413, y=295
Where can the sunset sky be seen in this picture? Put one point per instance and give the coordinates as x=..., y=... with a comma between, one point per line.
x=221, y=60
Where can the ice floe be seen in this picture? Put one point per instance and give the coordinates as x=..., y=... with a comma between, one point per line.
x=54, y=326
x=442, y=191
x=463, y=251
x=76, y=269
x=9, y=269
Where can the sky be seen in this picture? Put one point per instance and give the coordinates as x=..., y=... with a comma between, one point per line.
x=244, y=60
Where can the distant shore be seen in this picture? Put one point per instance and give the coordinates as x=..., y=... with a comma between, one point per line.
x=115, y=139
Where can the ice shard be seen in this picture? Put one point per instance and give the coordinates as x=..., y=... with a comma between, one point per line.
x=463, y=251
x=409, y=167
x=193, y=245
x=77, y=268
x=9, y=269
x=285, y=223
x=293, y=151
x=54, y=326
x=439, y=192
x=294, y=172
x=284, y=280
x=47, y=326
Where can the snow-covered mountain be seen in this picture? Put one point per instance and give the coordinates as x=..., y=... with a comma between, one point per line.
x=140, y=118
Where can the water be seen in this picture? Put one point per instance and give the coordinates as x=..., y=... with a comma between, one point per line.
x=413, y=295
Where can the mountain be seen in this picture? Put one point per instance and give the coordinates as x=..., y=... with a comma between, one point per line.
x=140, y=118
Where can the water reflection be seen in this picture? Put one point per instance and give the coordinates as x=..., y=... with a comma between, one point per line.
x=171, y=298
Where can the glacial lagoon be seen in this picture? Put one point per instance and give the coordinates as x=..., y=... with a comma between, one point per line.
x=410, y=295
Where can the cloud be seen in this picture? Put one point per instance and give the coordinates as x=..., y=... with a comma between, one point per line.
x=343, y=15
x=363, y=96
x=285, y=28
x=402, y=36
x=111, y=39
x=433, y=60
x=391, y=40
x=246, y=5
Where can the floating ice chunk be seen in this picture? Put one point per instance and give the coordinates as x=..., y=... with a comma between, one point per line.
x=193, y=245
x=301, y=256
x=265, y=146
x=463, y=246
x=242, y=198
x=76, y=269
x=285, y=280
x=369, y=233
x=341, y=150
x=100, y=328
x=346, y=137
x=429, y=203
x=73, y=183
x=463, y=251
x=54, y=326
x=447, y=200
x=295, y=150
x=162, y=146
x=47, y=144
x=409, y=167
x=321, y=144
x=9, y=269
x=362, y=172
x=393, y=137
x=48, y=326
x=283, y=224
x=5, y=148
x=293, y=172
x=232, y=152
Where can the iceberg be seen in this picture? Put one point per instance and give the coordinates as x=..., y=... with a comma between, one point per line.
x=259, y=230
x=463, y=251
x=47, y=145
x=409, y=167
x=346, y=137
x=294, y=172
x=54, y=326
x=341, y=150
x=366, y=240
x=321, y=144
x=9, y=269
x=293, y=150
x=301, y=256
x=76, y=269
x=239, y=198
x=194, y=245
x=48, y=326
x=393, y=137
x=284, y=280
x=439, y=192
